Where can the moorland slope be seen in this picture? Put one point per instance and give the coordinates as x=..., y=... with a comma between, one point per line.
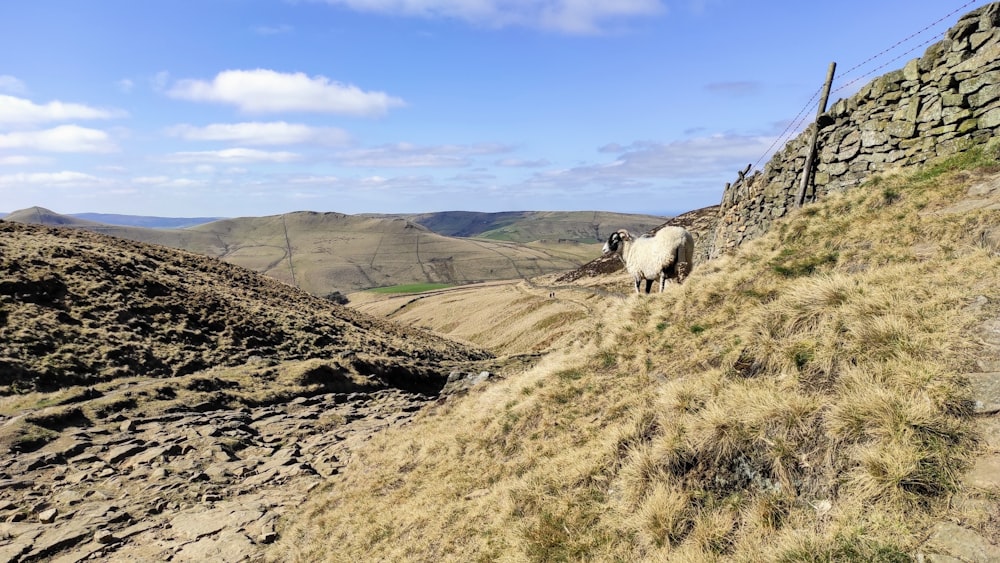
x=529, y=226
x=826, y=393
x=323, y=253
x=78, y=308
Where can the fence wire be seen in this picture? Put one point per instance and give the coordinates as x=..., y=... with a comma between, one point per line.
x=797, y=123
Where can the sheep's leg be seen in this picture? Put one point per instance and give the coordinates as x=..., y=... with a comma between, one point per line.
x=663, y=281
x=649, y=285
x=638, y=281
x=682, y=271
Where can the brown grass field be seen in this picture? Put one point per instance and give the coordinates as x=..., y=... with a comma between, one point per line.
x=323, y=253
x=804, y=399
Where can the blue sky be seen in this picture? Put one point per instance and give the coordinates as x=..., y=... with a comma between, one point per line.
x=258, y=107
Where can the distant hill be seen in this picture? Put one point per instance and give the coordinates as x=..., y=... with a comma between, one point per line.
x=42, y=216
x=324, y=253
x=529, y=226
x=146, y=221
x=100, y=308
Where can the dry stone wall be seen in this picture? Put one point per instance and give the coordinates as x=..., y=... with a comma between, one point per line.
x=937, y=105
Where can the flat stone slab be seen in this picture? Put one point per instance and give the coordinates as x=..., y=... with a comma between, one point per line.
x=990, y=428
x=228, y=547
x=985, y=474
x=197, y=525
x=962, y=543
x=986, y=392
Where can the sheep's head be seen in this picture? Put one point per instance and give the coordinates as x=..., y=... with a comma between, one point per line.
x=615, y=240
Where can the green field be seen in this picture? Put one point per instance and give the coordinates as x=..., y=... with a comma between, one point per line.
x=410, y=288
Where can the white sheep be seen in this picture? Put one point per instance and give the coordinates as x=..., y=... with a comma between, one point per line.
x=668, y=254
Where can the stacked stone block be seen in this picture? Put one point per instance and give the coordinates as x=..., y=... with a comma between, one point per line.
x=935, y=106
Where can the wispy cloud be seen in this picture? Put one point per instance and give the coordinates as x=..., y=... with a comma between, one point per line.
x=166, y=181
x=268, y=91
x=406, y=155
x=565, y=16
x=125, y=85
x=64, y=138
x=64, y=178
x=520, y=163
x=12, y=85
x=23, y=160
x=234, y=156
x=697, y=168
x=21, y=111
x=262, y=133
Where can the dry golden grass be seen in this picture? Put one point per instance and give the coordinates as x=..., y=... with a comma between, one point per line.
x=801, y=400
x=507, y=317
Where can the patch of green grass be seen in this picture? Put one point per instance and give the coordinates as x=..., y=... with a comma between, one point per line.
x=411, y=288
x=977, y=157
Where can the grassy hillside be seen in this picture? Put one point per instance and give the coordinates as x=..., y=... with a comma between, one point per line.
x=324, y=253
x=528, y=226
x=146, y=221
x=801, y=400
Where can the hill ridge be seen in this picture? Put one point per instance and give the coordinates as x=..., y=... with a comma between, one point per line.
x=80, y=307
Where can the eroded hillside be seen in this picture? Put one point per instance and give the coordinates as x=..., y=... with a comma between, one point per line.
x=79, y=308
x=158, y=405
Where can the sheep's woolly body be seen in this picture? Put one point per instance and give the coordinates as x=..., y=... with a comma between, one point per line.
x=668, y=255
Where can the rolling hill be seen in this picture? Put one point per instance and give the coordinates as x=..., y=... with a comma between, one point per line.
x=324, y=253
x=146, y=221
x=78, y=308
x=529, y=226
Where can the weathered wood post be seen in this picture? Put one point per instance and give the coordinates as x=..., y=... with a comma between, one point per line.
x=811, y=155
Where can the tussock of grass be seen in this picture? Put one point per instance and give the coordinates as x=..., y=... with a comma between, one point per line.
x=817, y=413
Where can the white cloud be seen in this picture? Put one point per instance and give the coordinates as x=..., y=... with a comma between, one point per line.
x=567, y=16
x=257, y=133
x=702, y=165
x=520, y=163
x=150, y=180
x=125, y=85
x=268, y=91
x=19, y=111
x=64, y=138
x=22, y=160
x=319, y=180
x=12, y=84
x=61, y=179
x=166, y=181
x=407, y=155
x=237, y=155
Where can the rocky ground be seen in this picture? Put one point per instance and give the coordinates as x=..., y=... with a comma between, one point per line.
x=161, y=406
x=192, y=483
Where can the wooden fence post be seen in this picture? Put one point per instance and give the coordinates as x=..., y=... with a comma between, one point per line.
x=811, y=155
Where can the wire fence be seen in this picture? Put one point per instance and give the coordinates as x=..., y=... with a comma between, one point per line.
x=798, y=122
